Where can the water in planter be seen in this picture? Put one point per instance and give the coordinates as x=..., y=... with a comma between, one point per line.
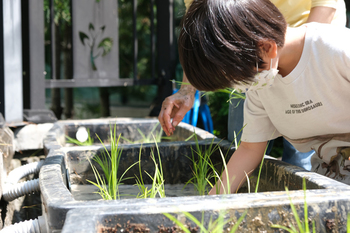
x=90, y=192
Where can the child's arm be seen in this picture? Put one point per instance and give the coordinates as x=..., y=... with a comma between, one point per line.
x=321, y=14
x=245, y=159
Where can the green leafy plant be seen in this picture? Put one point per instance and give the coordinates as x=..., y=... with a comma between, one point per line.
x=260, y=168
x=109, y=162
x=233, y=93
x=158, y=187
x=303, y=227
x=202, y=167
x=103, y=48
x=214, y=226
x=88, y=142
x=144, y=191
x=149, y=138
x=218, y=181
x=204, y=170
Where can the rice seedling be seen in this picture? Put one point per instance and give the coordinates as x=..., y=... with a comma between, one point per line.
x=204, y=170
x=260, y=168
x=150, y=137
x=109, y=162
x=234, y=94
x=158, y=187
x=218, y=225
x=202, y=167
x=218, y=181
x=303, y=227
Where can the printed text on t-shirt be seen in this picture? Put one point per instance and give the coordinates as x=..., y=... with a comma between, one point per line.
x=303, y=107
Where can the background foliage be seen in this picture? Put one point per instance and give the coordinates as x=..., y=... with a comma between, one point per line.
x=86, y=104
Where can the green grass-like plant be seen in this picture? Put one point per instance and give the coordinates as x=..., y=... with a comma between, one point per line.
x=109, y=162
x=303, y=227
x=158, y=187
x=204, y=170
x=234, y=94
x=149, y=138
x=218, y=182
x=202, y=167
x=260, y=168
x=214, y=226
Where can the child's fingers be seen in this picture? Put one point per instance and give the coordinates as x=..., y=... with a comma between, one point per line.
x=165, y=117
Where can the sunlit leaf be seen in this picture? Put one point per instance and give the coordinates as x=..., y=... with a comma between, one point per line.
x=106, y=44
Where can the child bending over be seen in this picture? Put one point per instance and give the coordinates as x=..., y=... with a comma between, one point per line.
x=297, y=80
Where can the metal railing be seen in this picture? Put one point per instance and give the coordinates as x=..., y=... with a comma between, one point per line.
x=72, y=82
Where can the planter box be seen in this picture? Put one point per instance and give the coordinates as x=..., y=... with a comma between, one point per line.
x=128, y=128
x=68, y=166
x=327, y=207
x=54, y=175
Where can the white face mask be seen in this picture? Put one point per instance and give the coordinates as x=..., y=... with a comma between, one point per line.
x=262, y=79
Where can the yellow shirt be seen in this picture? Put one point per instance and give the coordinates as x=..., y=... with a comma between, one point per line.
x=296, y=12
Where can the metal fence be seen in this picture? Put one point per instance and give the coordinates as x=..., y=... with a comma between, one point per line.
x=162, y=50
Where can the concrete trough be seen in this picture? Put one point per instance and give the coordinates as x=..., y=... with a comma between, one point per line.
x=66, y=167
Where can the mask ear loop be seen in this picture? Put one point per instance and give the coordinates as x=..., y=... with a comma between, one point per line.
x=257, y=66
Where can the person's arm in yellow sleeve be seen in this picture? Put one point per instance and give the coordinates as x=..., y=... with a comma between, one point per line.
x=323, y=11
x=321, y=14
x=187, y=3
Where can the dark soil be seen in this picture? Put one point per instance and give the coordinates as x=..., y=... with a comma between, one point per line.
x=141, y=228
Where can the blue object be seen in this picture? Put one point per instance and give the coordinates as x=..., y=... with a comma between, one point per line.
x=295, y=157
x=206, y=118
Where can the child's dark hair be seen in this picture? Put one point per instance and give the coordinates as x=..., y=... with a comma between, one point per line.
x=219, y=40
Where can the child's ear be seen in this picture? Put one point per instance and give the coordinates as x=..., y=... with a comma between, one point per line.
x=268, y=48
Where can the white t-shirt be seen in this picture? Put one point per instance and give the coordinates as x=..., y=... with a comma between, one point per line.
x=309, y=106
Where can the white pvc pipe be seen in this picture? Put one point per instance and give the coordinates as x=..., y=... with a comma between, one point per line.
x=18, y=173
x=12, y=192
x=29, y=226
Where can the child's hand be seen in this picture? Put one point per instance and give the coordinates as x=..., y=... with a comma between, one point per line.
x=175, y=107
